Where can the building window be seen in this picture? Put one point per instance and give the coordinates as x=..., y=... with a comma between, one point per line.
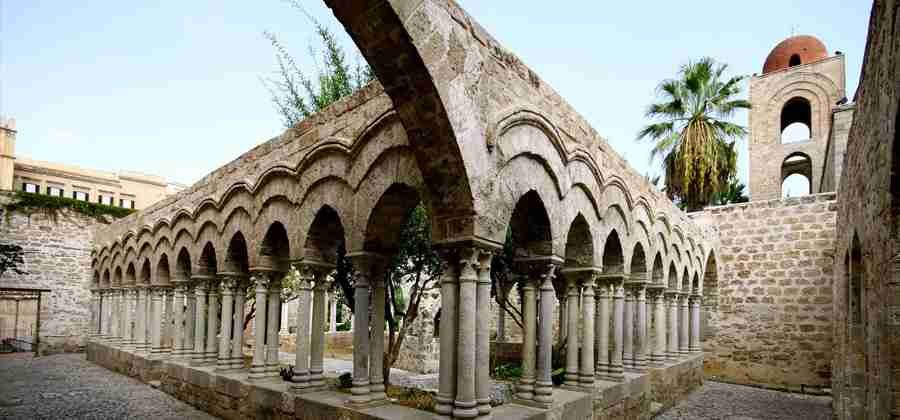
x=80, y=195
x=126, y=203
x=54, y=191
x=105, y=200
x=31, y=188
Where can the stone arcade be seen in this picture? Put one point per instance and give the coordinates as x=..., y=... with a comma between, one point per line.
x=460, y=124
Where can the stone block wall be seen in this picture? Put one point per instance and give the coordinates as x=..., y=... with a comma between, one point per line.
x=767, y=314
x=57, y=257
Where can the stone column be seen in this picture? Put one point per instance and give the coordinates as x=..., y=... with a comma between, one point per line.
x=225, y=341
x=190, y=321
x=168, y=304
x=616, y=368
x=465, y=404
x=92, y=328
x=640, y=355
x=104, y=302
x=602, y=328
x=360, y=390
x=543, y=388
x=483, y=383
x=237, y=328
x=128, y=333
x=658, y=354
x=695, y=323
x=525, y=388
x=628, y=326
x=116, y=318
x=684, y=324
x=284, y=328
x=199, y=353
x=212, y=322
x=178, y=333
x=273, y=366
x=140, y=328
x=571, y=376
x=258, y=368
x=447, y=335
x=376, y=355
x=332, y=313
x=672, y=298
x=587, y=346
x=317, y=341
x=156, y=295
x=301, y=362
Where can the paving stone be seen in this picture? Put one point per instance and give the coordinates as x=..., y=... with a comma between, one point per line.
x=721, y=401
x=66, y=386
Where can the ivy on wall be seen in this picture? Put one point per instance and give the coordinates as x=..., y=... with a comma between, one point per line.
x=50, y=205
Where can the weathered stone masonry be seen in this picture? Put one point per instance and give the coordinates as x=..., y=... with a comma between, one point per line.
x=768, y=321
x=57, y=257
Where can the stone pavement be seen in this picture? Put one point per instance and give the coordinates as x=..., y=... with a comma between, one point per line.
x=720, y=401
x=66, y=386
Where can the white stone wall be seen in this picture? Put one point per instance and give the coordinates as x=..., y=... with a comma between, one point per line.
x=57, y=257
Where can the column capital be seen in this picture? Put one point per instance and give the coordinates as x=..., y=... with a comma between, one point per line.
x=584, y=275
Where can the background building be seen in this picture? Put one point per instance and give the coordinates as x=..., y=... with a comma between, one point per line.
x=124, y=189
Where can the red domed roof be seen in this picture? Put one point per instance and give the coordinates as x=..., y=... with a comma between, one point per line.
x=807, y=48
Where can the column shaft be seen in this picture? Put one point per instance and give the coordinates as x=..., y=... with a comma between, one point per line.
x=659, y=323
x=225, y=341
x=571, y=303
x=628, y=326
x=695, y=324
x=543, y=386
x=376, y=358
x=140, y=311
x=190, y=321
x=178, y=326
x=672, y=299
x=525, y=389
x=602, y=328
x=212, y=324
x=301, y=361
x=483, y=384
x=465, y=404
x=200, y=323
x=587, y=343
x=168, y=331
x=616, y=368
x=156, y=322
x=273, y=344
x=360, y=389
x=258, y=367
x=317, y=341
x=447, y=334
x=640, y=355
x=684, y=325
x=237, y=328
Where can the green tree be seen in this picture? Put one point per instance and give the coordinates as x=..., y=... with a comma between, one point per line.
x=733, y=194
x=692, y=134
x=11, y=259
x=297, y=95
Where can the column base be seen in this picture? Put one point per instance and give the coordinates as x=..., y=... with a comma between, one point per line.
x=571, y=379
x=695, y=350
x=465, y=409
x=257, y=373
x=443, y=406
x=376, y=390
x=543, y=393
x=316, y=379
x=586, y=381
x=359, y=394
x=484, y=407
x=525, y=389
x=616, y=373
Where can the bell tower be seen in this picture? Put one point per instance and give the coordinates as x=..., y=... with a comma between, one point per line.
x=791, y=120
x=7, y=152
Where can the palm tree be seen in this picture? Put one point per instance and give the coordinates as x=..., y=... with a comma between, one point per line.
x=692, y=132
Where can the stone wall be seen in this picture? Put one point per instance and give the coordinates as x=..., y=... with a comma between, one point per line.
x=866, y=375
x=768, y=315
x=57, y=257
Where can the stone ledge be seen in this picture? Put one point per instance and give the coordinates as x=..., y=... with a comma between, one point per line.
x=231, y=395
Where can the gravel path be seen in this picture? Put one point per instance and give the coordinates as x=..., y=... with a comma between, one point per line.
x=67, y=386
x=719, y=401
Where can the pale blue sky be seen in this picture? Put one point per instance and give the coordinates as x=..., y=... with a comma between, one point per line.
x=173, y=88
